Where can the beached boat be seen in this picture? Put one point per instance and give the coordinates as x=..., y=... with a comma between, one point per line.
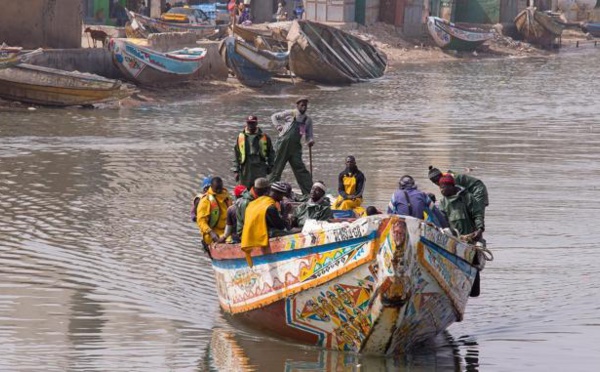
x=274, y=40
x=381, y=284
x=592, y=28
x=331, y=56
x=204, y=29
x=449, y=36
x=52, y=87
x=145, y=66
x=537, y=27
x=252, y=66
x=11, y=56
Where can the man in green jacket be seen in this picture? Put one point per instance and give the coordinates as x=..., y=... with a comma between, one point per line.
x=473, y=185
x=318, y=207
x=462, y=211
x=254, y=155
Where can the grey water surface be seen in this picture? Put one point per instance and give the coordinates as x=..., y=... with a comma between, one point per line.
x=101, y=270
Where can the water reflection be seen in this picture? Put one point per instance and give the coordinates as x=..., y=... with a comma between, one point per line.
x=231, y=350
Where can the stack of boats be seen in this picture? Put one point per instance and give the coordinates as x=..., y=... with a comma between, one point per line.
x=538, y=27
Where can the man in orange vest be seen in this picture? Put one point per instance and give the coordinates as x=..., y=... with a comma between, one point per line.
x=211, y=214
x=254, y=155
x=262, y=219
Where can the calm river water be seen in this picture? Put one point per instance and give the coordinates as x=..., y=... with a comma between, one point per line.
x=100, y=267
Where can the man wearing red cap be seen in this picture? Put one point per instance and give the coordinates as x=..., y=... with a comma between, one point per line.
x=254, y=155
x=463, y=212
x=230, y=235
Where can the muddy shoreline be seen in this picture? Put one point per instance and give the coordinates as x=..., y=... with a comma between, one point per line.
x=399, y=52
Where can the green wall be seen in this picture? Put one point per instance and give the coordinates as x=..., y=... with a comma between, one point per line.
x=477, y=11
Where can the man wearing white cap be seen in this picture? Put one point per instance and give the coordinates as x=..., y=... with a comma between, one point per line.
x=292, y=125
x=318, y=207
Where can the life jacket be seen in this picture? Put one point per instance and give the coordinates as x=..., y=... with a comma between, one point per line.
x=263, y=146
x=256, y=232
x=215, y=212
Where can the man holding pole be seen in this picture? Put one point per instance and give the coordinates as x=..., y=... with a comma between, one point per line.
x=292, y=125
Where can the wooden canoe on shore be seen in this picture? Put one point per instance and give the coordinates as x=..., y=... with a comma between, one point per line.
x=449, y=36
x=207, y=29
x=11, y=56
x=538, y=27
x=52, y=87
x=265, y=38
x=381, y=284
x=145, y=66
x=252, y=66
x=331, y=56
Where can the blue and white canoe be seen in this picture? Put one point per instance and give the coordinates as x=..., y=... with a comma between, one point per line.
x=252, y=66
x=145, y=66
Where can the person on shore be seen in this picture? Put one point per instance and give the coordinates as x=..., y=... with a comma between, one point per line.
x=463, y=212
x=167, y=7
x=212, y=212
x=244, y=15
x=473, y=185
x=351, y=184
x=318, y=207
x=408, y=200
x=292, y=125
x=253, y=153
x=261, y=188
x=230, y=235
x=119, y=13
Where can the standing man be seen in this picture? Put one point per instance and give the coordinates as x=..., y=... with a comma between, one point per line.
x=410, y=201
x=254, y=155
x=212, y=212
x=473, y=185
x=351, y=184
x=292, y=125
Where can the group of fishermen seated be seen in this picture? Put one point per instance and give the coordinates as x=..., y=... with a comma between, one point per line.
x=269, y=210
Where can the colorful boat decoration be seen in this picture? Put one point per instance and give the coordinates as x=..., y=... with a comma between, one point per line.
x=11, y=56
x=52, y=87
x=252, y=66
x=328, y=55
x=381, y=284
x=537, y=27
x=205, y=29
x=149, y=67
x=449, y=36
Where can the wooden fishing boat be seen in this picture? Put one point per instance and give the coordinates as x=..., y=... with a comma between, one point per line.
x=52, y=87
x=205, y=29
x=592, y=28
x=252, y=66
x=331, y=56
x=381, y=284
x=538, y=27
x=449, y=36
x=274, y=40
x=145, y=66
x=9, y=56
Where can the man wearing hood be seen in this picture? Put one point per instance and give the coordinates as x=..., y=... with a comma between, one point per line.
x=464, y=213
x=473, y=185
x=318, y=207
x=409, y=201
x=212, y=211
x=254, y=155
x=351, y=184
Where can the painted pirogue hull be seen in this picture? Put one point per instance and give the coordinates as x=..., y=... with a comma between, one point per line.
x=379, y=285
x=331, y=56
x=452, y=37
x=537, y=27
x=52, y=87
x=251, y=66
x=145, y=66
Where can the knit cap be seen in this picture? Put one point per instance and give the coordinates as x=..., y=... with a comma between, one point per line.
x=239, y=190
x=261, y=183
x=279, y=187
x=433, y=173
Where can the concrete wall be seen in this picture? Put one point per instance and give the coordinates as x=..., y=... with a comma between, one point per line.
x=371, y=12
x=93, y=60
x=330, y=10
x=41, y=23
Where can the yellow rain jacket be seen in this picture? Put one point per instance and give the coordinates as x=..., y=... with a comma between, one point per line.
x=349, y=184
x=212, y=213
x=256, y=233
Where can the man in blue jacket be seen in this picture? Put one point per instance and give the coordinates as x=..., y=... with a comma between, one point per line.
x=409, y=201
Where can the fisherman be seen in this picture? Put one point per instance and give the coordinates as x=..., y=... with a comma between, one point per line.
x=351, y=184
x=254, y=155
x=473, y=185
x=261, y=187
x=463, y=212
x=410, y=201
x=262, y=219
x=292, y=125
x=230, y=235
x=212, y=212
x=205, y=186
x=318, y=207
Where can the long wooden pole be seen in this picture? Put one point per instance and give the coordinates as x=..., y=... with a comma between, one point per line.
x=310, y=159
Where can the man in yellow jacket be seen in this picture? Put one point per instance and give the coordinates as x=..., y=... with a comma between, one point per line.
x=212, y=211
x=351, y=184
